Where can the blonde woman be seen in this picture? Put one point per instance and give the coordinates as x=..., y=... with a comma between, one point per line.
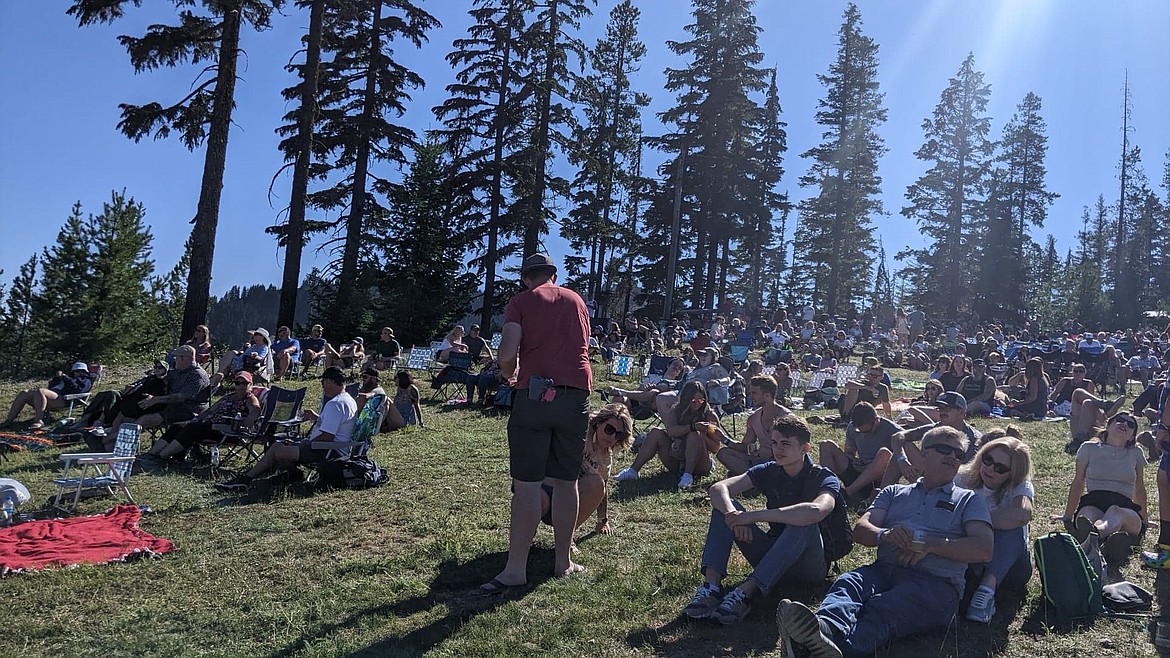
x=1001, y=472
x=611, y=430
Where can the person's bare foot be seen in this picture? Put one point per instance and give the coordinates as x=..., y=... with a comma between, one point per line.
x=573, y=568
x=573, y=550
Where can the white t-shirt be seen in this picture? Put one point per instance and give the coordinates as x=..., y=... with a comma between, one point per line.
x=1148, y=363
x=337, y=417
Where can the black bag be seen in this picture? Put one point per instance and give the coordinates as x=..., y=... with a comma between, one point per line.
x=836, y=531
x=1126, y=597
x=352, y=473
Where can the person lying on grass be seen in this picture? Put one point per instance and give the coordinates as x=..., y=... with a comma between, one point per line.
x=1001, y=472
x=791, y=547
x=611, y=430
x=333, y=425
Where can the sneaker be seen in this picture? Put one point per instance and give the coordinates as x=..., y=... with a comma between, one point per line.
x=1117, y=547
x=707, y=598
x=627, y=473
x=98, y=431
x=982, y=607
x=733, y=608
x=234, y=485
x=1158, y=558
x=686, y=481
x=1081, y=527
x=800, y=627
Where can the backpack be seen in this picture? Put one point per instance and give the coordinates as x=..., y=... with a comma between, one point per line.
x=352, y=473
x=836, y=531
x=1071, y=588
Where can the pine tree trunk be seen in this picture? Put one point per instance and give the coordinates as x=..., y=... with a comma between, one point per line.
x=343, y=304
x=295, y=235
x=211, y=187
x=544, y=110
x=497, y=191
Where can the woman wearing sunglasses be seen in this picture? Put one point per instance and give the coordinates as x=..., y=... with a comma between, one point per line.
x=1109, y=469
x=1001, y=472
x=678, y=443
x=922, y=410
x=611, y=430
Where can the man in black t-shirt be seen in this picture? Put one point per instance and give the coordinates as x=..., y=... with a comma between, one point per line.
x=791, y=547
x=480, y=351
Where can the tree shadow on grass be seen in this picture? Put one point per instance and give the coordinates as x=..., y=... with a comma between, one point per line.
x=661, y=482
x=454, y=589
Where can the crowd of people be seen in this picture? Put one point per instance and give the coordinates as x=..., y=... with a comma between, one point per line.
x=946, y=506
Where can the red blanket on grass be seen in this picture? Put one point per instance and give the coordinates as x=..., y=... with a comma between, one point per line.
x=107, y=537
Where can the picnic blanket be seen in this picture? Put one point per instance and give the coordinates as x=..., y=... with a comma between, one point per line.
x=32, y=442
x=109, y=537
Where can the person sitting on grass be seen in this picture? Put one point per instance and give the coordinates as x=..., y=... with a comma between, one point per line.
x=385, y=351
x=286, y=351
x=405, y=408
x=488, y=380
x=178, y=439
x=1087, y=414
x=862, y=463
x=754, y=450
x=952, y=412
x=1001, y=473
x=641, y=401
x=1107, y=495
x=252, y=357
x=869, y=388
x=611, y=430
x=1034, y=404
x=52, y=396
x=917, y=580
x=679, y=442
x=790, y=549
x=922, y=410
x=979, y=389
x=1061, y=396
x=333, y=425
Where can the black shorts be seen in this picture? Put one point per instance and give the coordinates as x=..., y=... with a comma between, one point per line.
x=311, y=455
x=1103, y=500
x=849, y=475
x=547, y=439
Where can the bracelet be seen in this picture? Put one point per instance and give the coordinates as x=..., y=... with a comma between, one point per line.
x=881, y=533
x=901, y=458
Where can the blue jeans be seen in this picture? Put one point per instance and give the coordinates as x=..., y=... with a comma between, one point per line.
x=485, y=381
x=879, y=602
x=796, y=553
x=1010, y=563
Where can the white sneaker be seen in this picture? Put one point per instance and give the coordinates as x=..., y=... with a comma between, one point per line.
x=626, y=474
x=686, y=481
x=98, y=431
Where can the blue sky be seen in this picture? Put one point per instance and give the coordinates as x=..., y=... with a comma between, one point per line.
x=59, y=144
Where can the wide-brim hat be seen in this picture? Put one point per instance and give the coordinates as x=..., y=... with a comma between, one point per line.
x=537, y=262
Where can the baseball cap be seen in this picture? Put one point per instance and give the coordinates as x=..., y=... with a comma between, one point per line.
x=334, y=374
x=243, y=374
x=978, y=362
x=537, y=261
x=951, y=399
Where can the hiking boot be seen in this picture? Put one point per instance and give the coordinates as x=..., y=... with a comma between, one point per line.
x=1159, y=558
x=707, y=598
x=626, y=474
x=733, y=608
x=235, y=485
x=799, y=626
x=982, y=607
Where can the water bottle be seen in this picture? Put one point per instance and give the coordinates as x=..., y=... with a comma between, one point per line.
x=237, y=423
x=9, y=510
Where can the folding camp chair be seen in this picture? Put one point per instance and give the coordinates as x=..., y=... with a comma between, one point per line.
x=80, y=400
x=101, y=472
x=657, y=367
x=845, y=373
x=281, y=409
x=419, y=358
x=452, y=379
x=495, y=342
x=739, y=352
x=306, y=370
x=623, y=366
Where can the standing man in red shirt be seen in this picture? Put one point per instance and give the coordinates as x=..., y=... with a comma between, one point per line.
x=546, y=329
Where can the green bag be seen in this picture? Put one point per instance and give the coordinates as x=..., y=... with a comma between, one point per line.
x=1072, y=589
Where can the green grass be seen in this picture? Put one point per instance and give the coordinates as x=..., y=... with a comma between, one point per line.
x=392, y=571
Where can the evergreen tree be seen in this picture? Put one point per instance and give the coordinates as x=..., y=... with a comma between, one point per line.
x=947, y=201
x=483, y=122
x=298, y=147
x=362, y=89
x=117, y=293
x=550, y=43
x=838, y=219
x=59, y=320
x=204, y=114
x=16, y=320
x=422, y=284
x=1086, y=299
x=716, y=121
x=606, y=145
x=1129, y=266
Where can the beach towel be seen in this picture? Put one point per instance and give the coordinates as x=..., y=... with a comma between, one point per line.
x=109, y=537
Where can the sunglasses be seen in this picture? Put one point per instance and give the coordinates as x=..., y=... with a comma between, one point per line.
x=1128, y=420
x=699, y=399
x=947, y=449
x=241, y=381
x=622, y=435
x=988, y=460
x=1078, y=370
